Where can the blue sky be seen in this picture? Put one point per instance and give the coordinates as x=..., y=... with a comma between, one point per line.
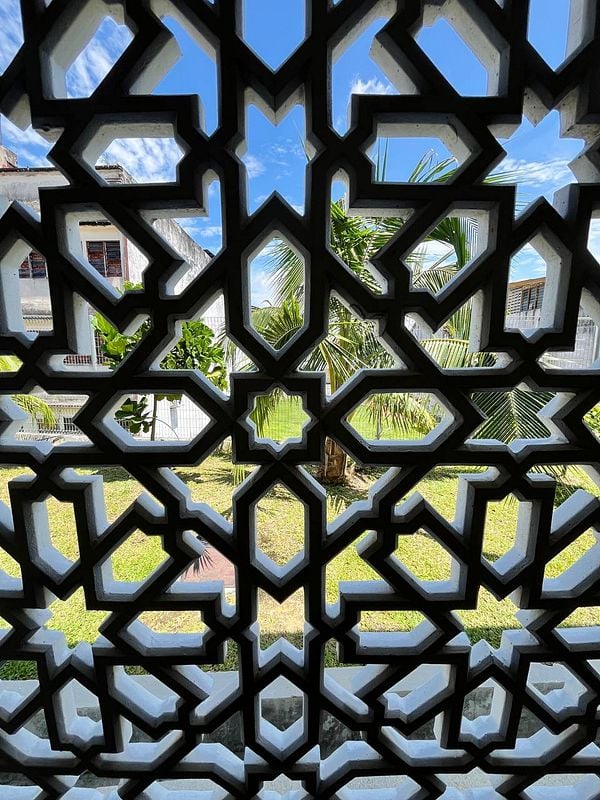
x=274, y=157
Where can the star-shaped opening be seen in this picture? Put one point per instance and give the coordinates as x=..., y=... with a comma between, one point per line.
x=278, y=418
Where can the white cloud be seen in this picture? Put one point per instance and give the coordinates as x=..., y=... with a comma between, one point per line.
x=148, y=160
x=262, y=287
x=254, y=166
x=371, y=86
x=11, y=32
x=96, y=60
x=211, y=231
x=30, y=147
x=539, y=173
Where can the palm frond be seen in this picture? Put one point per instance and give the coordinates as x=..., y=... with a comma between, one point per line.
x=37, y=408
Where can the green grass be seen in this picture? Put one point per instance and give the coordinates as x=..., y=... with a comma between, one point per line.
x=280, y=533
x=287, y=418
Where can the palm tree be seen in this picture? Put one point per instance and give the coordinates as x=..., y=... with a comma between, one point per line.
x=37, y=408
x=352, y=343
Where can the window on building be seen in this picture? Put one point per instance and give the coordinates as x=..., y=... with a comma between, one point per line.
x=532, y=297
x=69, y=426
x=34, y=266
x=106, y=258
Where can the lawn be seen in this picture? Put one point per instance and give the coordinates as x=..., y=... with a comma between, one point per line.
x=288, y=417
x=280, y=530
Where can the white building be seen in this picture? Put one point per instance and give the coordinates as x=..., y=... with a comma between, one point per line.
x=118, y=260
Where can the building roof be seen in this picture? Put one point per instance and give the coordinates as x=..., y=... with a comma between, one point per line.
x=528, y=282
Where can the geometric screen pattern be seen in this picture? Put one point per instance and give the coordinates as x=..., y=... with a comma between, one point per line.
x=418, y=741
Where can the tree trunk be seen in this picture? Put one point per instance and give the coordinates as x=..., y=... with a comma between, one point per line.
x=333, y=470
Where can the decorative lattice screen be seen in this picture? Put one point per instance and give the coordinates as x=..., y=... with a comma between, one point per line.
x=406, y=708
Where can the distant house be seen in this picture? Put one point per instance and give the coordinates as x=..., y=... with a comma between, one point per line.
x=117, y=259
x=525, y=296
x=103, y=245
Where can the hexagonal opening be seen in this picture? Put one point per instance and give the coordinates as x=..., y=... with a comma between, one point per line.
x=279, y=509
x=153, y=418
x=539, y=276
x=391, y=417
x=147, y=150
x=276, y=295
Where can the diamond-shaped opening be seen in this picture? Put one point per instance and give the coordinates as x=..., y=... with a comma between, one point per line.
x=277, y=510
x=397, y=416
x=548, y=30
x=75, y=620
x=277, y=309
x=437, y=259
x=278, y=417
x=83, y=51
x=283, y=620
x=155, y=418
x=423, y=556
x=489, y=619
x=162, y=622
x=512, y=416
x=281, y=703
x=137, y=557
x=406, y=152
x=94, y=62
x=193, y=70
x=275, y=153
x=286, y=19
x=361, y=66
x=456, y=57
